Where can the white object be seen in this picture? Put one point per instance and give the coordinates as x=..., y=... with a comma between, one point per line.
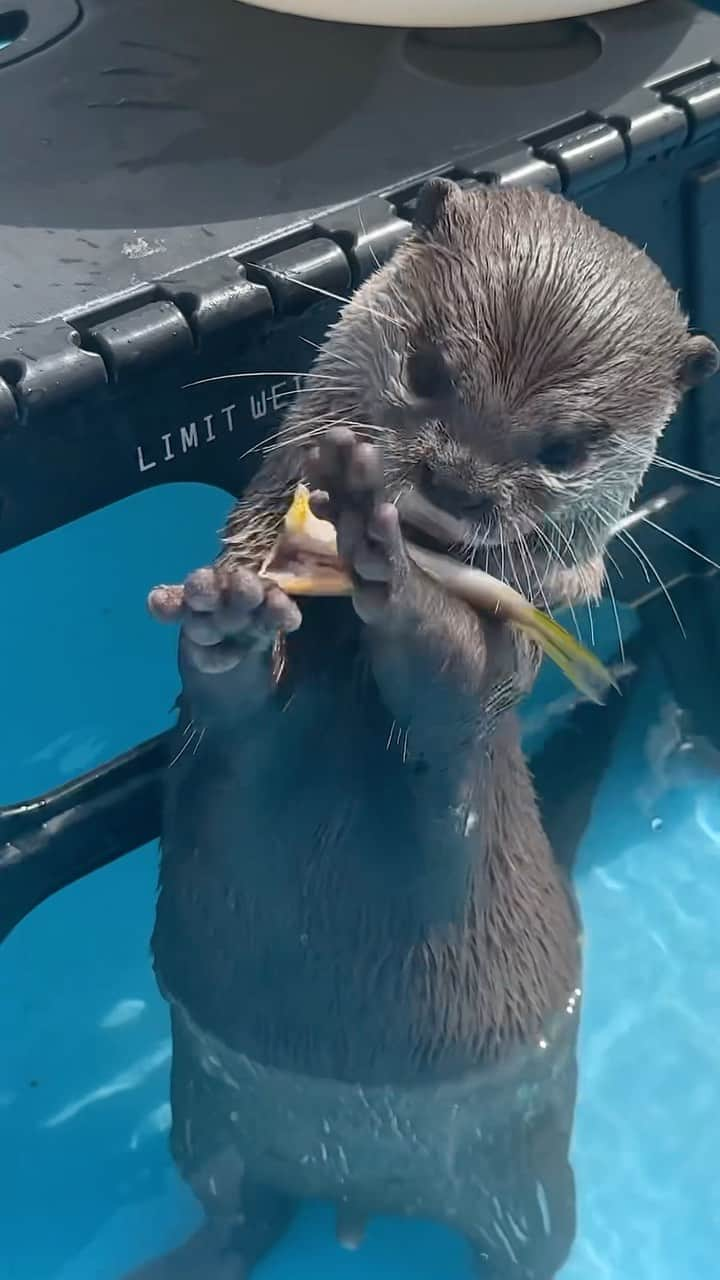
x=440, y=13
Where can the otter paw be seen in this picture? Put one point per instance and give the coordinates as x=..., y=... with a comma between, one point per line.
x=348, y=474
x=222, y=614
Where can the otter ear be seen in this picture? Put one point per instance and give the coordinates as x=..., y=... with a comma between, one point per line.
x=701, y=359
x=433, y=203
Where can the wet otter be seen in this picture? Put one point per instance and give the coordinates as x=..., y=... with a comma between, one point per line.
x=370, y=955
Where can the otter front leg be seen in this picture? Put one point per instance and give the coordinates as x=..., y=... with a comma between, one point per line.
x=441, y=669
x=229, y=623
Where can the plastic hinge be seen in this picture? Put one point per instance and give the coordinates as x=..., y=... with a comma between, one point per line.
x=405, y=198
x=137, y=341
x=512, y=164
x=46, y=367
x=650, y=127
x=585, y=157
x=217, y=297
x=699, y=99
x=369, y=232
x=297, y=277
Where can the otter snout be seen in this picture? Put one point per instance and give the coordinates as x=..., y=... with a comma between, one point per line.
x=446, y=488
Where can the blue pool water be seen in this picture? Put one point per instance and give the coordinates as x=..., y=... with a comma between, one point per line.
x=86, y=1184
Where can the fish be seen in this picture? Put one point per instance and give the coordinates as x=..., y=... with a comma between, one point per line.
x=305, y=562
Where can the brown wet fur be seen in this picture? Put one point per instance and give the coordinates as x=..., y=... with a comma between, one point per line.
x=371, y=955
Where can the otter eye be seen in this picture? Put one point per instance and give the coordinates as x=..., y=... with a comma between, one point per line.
x=561, y=455
x=427, y=374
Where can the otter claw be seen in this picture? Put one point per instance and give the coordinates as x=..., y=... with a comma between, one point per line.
x=350, y=491
x=165, y=603
x=347, y=469
x=222, y=613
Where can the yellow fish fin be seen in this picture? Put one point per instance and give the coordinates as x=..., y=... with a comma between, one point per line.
x=298, y=513
x=301, y=519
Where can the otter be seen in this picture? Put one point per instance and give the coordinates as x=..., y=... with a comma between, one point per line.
x=370, y=954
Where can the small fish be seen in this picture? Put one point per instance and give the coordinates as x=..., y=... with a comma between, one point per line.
x=489, y=595
x=304, y=560
x=320, y=572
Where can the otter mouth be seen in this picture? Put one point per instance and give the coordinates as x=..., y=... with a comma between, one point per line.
x=438, y=529
x=429, y=523
x=522, y=557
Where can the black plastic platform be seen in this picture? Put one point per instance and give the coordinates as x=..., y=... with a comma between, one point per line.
x=172, y=173
x=148, y=137
x=157, y=158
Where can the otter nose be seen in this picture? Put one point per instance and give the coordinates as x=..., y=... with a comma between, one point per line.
x=449, y=492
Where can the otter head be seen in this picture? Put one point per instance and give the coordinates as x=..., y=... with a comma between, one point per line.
x=519, y=362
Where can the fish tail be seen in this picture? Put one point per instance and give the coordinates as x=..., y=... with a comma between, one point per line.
x=581, y=667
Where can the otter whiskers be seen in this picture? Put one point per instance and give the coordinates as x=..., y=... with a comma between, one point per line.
x=294, y=435
x=327, y=293
x=603, y=553
x=673, y=537
x=264, y=373
x=336, y=355
x=283, y=397
x=555, y=558
x=538, y=579
x=686, y=545
x=567, y=540
x=626, y=539
x=669, y=464
x=363, y=428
